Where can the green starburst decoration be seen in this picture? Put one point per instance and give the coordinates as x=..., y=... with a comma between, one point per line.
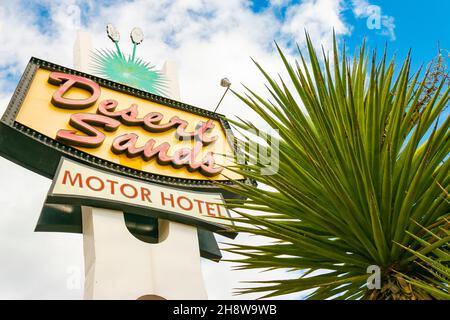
x=128, y=70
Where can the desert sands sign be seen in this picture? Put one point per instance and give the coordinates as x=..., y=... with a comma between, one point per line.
x=117, y=127
x=108, y=118
x=136, y=173
x=108, y=145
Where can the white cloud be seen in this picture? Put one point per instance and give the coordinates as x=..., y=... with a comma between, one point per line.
x=279, y=3
x=33, y=265
x=318, y=17
x=207, y=39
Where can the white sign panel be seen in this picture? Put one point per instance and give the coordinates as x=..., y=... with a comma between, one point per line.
x=88, y=186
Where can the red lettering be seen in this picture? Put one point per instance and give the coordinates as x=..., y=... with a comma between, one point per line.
x=108, y=118
x=190, y=205
x=112, y=183
x=182, y=156
x=208, y=167
x=160, y=152
x=218, y=209
x=152, y=122
x=199, y=134
x=163, y=199
x=127, y=116
x=129, y=186
x=199, y=203
x=72, y=181
x=209, y=208
x=202, y=129
x=67, y=81
x=107, y=107
x=100, y=182
x=126, y=143
x=85, y=122
x=145, y=194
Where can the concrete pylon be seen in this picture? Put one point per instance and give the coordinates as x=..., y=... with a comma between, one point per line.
x=170, y=70
x=118, y=265
x=81, y=51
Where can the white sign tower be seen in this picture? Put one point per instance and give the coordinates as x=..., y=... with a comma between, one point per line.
x=118, y=265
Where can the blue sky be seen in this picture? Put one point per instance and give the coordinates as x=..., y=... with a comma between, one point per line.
x=419, y=25
x=207, y=40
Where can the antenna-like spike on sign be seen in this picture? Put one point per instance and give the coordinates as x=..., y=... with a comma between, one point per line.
x=137, y=36
x=114, y=35
x=112, y=32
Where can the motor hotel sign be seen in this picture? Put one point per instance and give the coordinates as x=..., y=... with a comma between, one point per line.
x=80, y=184
x=114, y=127
x=129, y=150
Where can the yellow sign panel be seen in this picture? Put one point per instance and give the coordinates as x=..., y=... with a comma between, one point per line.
x=125, y=129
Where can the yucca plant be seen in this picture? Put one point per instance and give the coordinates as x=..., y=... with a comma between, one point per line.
x=363, y=165
x=434, y=257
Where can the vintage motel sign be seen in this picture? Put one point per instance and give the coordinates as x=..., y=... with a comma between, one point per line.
x=137, y=173
x=58, y=112
x=79, y=184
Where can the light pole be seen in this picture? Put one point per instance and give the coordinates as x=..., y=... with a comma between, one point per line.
x=226, y=84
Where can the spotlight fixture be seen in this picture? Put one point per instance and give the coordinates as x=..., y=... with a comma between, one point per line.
x=112, y=32
x=224, y=82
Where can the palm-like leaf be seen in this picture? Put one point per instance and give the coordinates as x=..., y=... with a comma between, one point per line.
x=361, y=165
x=434, y=257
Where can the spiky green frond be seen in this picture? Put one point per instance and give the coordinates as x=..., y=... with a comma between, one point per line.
x=433, y=255
x=130, y=71
x=363, y=151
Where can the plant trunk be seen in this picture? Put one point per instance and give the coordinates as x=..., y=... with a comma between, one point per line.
x=395, y=287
